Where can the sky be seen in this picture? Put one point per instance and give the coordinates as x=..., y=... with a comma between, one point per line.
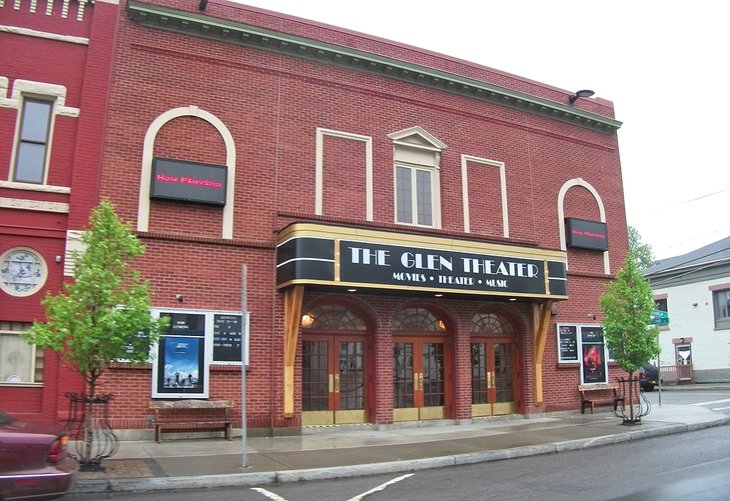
x=662, y=63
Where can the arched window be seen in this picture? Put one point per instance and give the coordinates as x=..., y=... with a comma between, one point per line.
x=333, y=317
x=417, y=320
x=491, y=323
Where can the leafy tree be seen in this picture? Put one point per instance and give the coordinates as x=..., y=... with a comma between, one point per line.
x=642, y=252
x=104, y=315
x=627, y=305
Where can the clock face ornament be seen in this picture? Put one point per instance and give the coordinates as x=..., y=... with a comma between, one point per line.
x=22, y=272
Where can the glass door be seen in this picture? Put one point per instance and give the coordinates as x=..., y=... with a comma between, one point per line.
x=492, y=368
x=419, y=379
x=333, y=380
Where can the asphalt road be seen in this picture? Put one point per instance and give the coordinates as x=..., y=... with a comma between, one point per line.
x=691, y=465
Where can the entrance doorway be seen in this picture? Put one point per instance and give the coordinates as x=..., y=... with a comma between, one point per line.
x=421, y=366
x=493, y=366
x=334, y=368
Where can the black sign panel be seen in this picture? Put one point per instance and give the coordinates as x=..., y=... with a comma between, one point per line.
x=188, y=181
x=185, y=324
x=413, y=267
x=227, y=338
x=582, y=234
x=568, y=343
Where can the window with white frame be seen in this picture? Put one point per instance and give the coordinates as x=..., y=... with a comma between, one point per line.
x=414, y=195
x=31, y=148
x=721, y=306
x=417, y=158
x=20, y=362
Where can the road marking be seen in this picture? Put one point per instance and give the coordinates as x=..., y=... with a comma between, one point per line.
x=713, y=402
x=720, y=408
x=268, y=494
x=380, y=487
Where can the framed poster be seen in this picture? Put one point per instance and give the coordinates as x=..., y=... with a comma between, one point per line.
x=594, y=361
x=180, y=365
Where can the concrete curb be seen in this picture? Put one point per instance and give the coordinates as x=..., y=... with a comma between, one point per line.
x=265, y=478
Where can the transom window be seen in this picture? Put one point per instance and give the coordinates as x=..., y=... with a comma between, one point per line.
x=20, y=362
x=31, y=154
x=491, y=323
x=333, y=317
x=417, y=320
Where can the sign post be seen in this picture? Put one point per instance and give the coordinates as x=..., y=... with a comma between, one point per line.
x=244, y=320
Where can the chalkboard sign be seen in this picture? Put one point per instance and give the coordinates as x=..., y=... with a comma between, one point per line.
x=567, y=343
x=227, y=338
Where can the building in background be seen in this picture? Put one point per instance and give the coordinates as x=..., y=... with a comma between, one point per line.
x=54, y=85
x=416, y=237
x=694, y=290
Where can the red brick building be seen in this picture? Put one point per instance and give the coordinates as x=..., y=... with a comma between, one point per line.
x=423, y=238
x=54, y=79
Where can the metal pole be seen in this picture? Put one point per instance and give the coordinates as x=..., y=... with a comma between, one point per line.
x=244, y=330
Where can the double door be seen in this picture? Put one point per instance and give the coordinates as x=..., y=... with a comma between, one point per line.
x=420, y=372
x=493, y=377
x=333, y=380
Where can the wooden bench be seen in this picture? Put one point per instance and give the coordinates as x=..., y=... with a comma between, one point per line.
x=192, y=413
x=599, y=394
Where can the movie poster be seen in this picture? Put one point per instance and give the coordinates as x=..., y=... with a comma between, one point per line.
x=593, y=362
x=180, y=365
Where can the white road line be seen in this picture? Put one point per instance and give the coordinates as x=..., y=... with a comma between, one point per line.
x=380, y=487
x=720, y=408
x=268, y=494
x=713, y=402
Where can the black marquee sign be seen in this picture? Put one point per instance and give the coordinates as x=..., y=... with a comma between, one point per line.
x=305, y=257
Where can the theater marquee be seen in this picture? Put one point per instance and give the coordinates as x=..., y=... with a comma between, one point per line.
x=338, y=256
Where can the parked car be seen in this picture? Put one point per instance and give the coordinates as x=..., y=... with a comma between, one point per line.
x=34, y=463
x=648, y=377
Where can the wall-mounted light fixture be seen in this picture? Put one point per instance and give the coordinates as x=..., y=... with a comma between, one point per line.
x=179, y=298
x=307, y=321
x=591, y=316
x=554, y=310
x=581, y=93
x=203, y=4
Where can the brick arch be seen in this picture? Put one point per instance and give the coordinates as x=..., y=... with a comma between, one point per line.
x=143, y=207
x=561, y=214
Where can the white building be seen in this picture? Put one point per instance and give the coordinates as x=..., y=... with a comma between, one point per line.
x=694, y=289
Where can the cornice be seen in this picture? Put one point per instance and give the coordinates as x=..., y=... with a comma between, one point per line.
x=200, y=25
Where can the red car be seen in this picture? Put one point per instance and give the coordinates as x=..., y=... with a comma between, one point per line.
x=33, y=461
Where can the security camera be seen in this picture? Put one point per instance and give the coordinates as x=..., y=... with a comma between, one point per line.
x=179, y=298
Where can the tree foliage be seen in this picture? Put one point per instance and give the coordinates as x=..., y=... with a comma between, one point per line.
x=627, y=305
x=643, y=253
x=104, y=315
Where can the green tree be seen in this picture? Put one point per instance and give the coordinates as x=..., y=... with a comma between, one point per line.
x=104, y=314
x=642, y=252
x=627, y=305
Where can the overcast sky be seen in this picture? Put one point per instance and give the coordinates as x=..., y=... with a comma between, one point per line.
x=662, y=63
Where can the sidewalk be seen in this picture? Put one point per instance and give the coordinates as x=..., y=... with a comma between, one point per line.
x=334, y=452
